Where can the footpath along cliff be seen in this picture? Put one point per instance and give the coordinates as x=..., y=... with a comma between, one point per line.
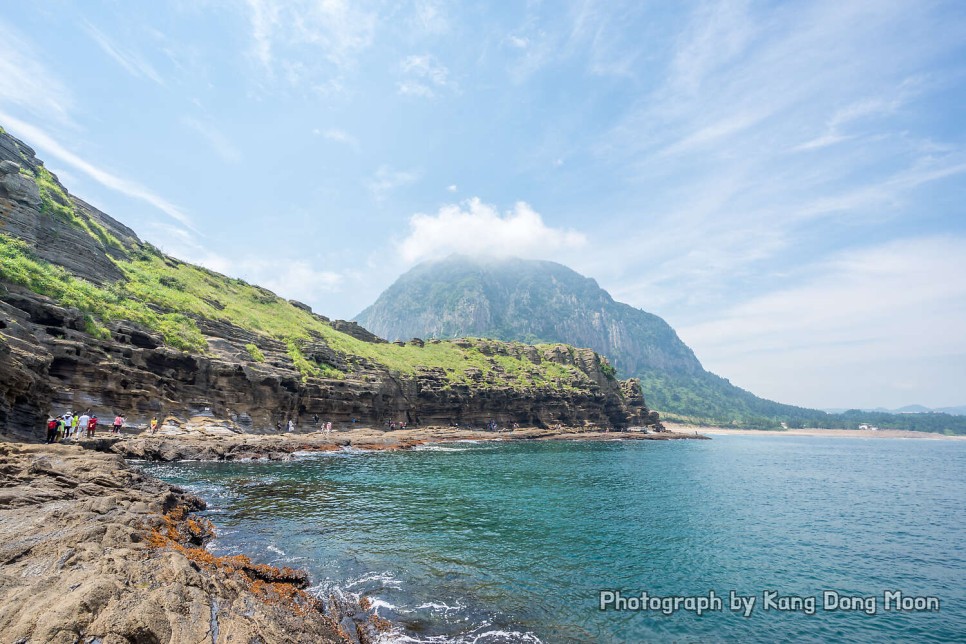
x=91, y=317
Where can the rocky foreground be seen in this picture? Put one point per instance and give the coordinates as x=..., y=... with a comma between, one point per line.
x=91, y=550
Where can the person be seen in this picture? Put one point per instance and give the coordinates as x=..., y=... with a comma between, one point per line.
x=118, y=423
x=61, y=429
x=154, y=425
x=68, y=419
x=278, y=425
x=82, y=423
x=51, y=430
x=91, y=426
x=291, y=425
x=328, y=427
x=315, y=419
x=73, y=427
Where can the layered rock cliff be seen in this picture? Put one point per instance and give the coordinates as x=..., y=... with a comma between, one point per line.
x=540, y=301
x=93, y=318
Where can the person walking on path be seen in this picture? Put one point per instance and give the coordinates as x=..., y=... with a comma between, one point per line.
x=51, y=430
x=291, y=425
x=91, y=426
x=82, y=423
x=154, y=425
x=68, y=420
x=118, y=423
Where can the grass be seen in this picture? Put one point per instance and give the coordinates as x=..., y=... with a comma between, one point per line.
x=255, y=352
x=168, y=296
x=54, y=201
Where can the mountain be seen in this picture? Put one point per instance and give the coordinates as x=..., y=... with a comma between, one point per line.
x=92, y=317
x=541, y=301
x=959, y=410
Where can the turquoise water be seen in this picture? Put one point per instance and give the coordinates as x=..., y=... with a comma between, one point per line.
x=508, y=542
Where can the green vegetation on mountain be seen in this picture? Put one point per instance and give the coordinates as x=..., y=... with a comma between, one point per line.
x=539, y=301
x=169, y=296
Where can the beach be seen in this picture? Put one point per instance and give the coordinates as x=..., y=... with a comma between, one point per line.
x=812, y=431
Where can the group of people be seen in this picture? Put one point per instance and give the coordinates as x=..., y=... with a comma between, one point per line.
x=73, y=426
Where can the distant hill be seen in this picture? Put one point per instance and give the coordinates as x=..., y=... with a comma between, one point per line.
x=959, y=410
x=540, y=301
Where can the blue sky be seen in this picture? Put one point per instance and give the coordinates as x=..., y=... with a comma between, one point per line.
x=783, y=182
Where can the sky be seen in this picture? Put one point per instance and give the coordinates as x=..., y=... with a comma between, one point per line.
x=783, y=182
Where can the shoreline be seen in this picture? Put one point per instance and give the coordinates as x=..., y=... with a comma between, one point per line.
x=221, y=446
x=817, y=432
x=93, y=549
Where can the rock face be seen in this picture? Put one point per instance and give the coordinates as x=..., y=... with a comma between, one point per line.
x=51, y=362
x=93, y=551
x=539, y=301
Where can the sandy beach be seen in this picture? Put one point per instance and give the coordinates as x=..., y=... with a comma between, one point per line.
x=813, y=431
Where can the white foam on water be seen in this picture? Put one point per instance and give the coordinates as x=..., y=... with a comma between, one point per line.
x=504, y=636
x=276, y=550
x=379, y=603
x=385, y=578
x=440, y=606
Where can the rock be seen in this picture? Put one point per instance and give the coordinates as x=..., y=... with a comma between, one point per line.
x=50, y=364
x=124, y=564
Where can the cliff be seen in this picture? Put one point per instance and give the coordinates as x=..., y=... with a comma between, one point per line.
x=93, y=317
x=539, y=301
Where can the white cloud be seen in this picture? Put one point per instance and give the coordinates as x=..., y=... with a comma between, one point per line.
x=474, y=227
x=778, y=133
x=518, y=42
x=338, y=136
x=44, y=141
x=424, y=76
x=338, y=29
x=26, y=83
x=386, y=180
x=220, y=143
x=428, y=18
x=132, y=62
x=890, y=304
x=291, y=278
x=451, y=188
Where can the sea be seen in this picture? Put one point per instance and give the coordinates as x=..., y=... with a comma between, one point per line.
x=809, y=539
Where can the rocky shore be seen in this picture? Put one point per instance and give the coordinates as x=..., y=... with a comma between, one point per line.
x=91, y=550
x=200, y=446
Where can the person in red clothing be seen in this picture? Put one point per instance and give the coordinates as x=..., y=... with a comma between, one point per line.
x=91, y=426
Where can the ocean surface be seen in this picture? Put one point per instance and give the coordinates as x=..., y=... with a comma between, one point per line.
x=515, y=541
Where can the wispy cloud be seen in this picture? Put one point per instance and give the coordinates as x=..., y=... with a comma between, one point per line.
x=220, y=143
x=429, y=18
x=289, y=277
x=337, y=136
x=771, y=119
x=890, y=292
x=132, y=62
x=476, y=228
x=387, y=179
x=47, y=143
x=26, y=82
x=282, y=31
x=424, y=76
